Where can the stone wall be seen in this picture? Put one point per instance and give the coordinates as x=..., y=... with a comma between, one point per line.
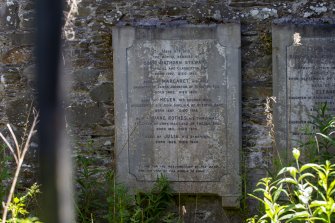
x=89, y=68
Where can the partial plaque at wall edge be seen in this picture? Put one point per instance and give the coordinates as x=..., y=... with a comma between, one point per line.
x=303, y=77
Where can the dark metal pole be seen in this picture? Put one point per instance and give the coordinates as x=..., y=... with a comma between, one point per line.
x=55, y=198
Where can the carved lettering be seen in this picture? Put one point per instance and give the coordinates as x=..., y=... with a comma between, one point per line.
x=178, y=110
x=310, y=82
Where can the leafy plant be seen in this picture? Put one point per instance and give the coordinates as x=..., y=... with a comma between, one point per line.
x=151, y=207
x=25, y=220
x=96, y=185
x=5, y=174
x=321, y=136
x=120, y=203
x=17, y=206
x=90, y=186
x=300, y=194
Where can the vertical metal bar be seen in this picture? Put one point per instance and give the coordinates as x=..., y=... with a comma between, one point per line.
x=56, y=199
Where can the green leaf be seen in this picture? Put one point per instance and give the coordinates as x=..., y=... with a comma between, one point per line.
x=285, y=217
x=317, y=203
x=331, y=140
x=287, y=180
x=316, y=219
x=293, y=213
x=303, y=176
x=297, y=206
x=302, y=215
x=290, y=169
x=277, y=193
x=309, y=165
x=330, y=190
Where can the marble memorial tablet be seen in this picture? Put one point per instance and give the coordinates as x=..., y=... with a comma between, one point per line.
x=177, y=100
x=304, y=76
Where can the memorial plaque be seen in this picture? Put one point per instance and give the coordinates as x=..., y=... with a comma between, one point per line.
x=304, y=76
x=177, y=100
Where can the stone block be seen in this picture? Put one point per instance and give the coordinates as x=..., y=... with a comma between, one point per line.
x=102, y=93
x=18, y=55
x=86, y=75
x=17, y=111
x=27, y=20
x=88, y=114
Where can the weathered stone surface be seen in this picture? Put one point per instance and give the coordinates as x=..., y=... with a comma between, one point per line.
x=18, y=110
x=103, y=93
x=86, y=75
x=10, y=76
x=303, y=70
x=28, y=20
x=22, y=38
x=18, y=55
x=11, y=14
x=177, y=98
x=28, y=5
x=85, y=115
x=105, y=143
x=103, y=131
x=29, y=73
x=2, y=14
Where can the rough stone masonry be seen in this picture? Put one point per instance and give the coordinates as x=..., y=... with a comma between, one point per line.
x=88, y=62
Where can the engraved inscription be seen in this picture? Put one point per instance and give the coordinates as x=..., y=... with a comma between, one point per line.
x=310, y=83
x=177, y=106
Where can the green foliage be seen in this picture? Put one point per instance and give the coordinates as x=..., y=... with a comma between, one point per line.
x=90, y=185
x=300, y=194
x=99, y=198
x=303, y=193
x=19, y=205
x=118, y=200
x=5, y=174
x=15, y=209
x=25, y=220
x=150, y=207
